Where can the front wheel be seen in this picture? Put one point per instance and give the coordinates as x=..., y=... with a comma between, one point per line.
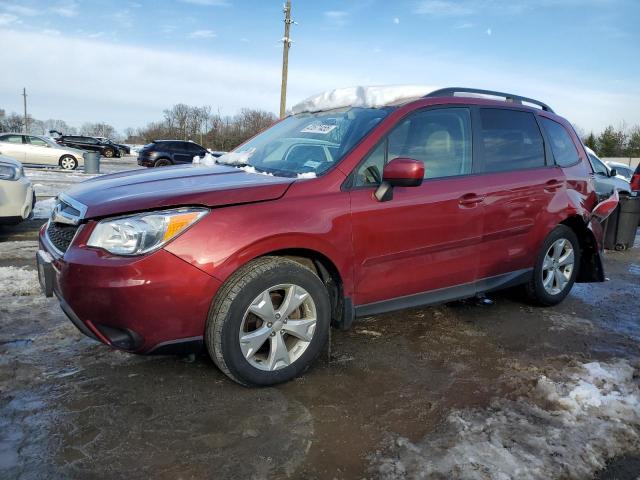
x=556, y=268
x=109, y=153
x=269, y=322
x=67, y=162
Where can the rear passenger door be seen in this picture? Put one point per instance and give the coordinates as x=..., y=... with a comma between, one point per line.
x=519, y=183
x=13, y=146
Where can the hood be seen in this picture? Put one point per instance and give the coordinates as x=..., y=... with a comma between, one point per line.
x=164, y=187
x=10, y=160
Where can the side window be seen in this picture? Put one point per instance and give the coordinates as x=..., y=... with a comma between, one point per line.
x=441, y=138
x=12, y=138
x=510, y=139
x=563, y=148
x=598, y=166
x=37, y=141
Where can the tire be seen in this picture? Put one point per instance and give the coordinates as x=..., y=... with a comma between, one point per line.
x=550, y=265
x=68, y=162
x=232, y=315
x=109, y=153
x=162, y=162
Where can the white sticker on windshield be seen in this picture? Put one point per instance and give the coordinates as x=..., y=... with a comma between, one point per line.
x=322, y=128
x=312, y=164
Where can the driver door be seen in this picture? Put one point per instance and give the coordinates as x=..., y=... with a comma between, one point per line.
x=426, y=238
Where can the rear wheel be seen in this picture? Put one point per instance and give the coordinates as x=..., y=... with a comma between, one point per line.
x=109, y=153
x=67, y=162
x=162, y=162
x=269, y=322
x=556, y=268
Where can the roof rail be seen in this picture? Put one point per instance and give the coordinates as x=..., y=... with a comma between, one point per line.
x=508, y=97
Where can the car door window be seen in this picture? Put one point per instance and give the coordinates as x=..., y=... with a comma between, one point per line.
x=12, y=138
x=37, y=141
x=441, y=138
x=598, y=166
x=563, y=148
x=510, y=140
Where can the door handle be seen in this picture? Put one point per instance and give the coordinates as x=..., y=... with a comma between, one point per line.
x=553, y=185
x=470, y=200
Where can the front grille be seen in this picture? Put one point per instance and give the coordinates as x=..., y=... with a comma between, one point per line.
x=60, y=235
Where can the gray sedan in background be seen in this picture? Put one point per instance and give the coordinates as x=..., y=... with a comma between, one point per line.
x=39, y=150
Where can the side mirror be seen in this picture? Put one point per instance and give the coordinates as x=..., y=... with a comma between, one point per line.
x=613, y=172
x=399, y=172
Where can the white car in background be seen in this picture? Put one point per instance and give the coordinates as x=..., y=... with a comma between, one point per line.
x=16, y=193
x=606, y=178
x=39, y=150
x=622, y=170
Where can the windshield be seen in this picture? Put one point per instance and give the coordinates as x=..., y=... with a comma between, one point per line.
x=306, y=145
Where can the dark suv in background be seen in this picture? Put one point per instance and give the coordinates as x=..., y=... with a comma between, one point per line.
x=162, y=153
x=106, y=149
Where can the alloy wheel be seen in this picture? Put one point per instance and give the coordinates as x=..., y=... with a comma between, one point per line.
x=277, y=327
x=557, y=266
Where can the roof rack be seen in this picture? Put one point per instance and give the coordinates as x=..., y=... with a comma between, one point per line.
x=508, y=97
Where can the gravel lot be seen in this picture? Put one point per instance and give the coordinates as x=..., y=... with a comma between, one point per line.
x=494, y=389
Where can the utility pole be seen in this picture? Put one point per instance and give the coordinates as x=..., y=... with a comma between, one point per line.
x=26, y=124
x=286, y=41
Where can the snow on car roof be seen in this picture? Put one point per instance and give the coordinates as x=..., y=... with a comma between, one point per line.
x=362, y=96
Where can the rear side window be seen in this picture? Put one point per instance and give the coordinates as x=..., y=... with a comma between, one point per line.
x=12, y=138
x=563, y=148
x=510, y=140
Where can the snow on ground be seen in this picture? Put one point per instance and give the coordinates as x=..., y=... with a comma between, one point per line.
x=15, y=281
x=43, y=208
x=18, y=249
x=368, y=97
x=561, y=427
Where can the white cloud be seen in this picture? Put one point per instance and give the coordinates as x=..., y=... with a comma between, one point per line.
x=120, y=83
x=443, y=8
x=21, y=10
x=203, y=34
x=96, y=34
x=464, y=25
x=396, y=20
x=51, y=31
x=337, y=17
x=67, y=9
x=488, y=31
x=7, y=19
x=208, y=3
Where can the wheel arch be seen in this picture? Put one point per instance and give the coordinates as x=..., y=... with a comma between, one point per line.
x=328, y=272
x=591, y=269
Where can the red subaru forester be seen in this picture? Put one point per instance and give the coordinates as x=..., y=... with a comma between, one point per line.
x=365, y=200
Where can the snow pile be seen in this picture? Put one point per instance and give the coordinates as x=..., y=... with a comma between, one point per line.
x=307, y=175
x=368, y=97
x=557, y=429
x=43, y=208
x=18, y=249
x=16, y=281
x=208, y=160
x=236, y=158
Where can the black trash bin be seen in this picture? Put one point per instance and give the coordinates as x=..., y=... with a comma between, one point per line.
x=621, y=226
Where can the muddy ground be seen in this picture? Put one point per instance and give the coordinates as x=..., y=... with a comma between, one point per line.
x=464, y=390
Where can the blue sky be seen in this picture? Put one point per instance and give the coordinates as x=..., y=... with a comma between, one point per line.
x=125, y=61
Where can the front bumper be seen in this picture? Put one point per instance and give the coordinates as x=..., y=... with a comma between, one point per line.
x=145, y=161
x=139, y=304
x=16, y=197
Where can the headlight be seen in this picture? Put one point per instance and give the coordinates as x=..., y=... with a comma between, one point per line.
x=144, y=232
x=10, y=172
